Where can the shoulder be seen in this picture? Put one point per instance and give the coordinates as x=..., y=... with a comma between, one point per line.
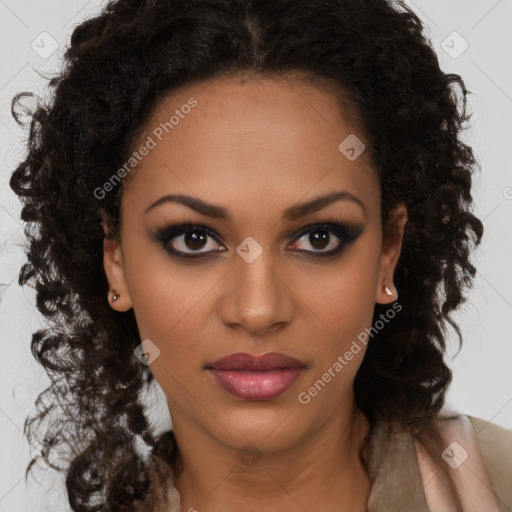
x=481, y=453
x=495, y=446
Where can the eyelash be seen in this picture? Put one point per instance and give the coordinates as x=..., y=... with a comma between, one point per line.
x=346, y=232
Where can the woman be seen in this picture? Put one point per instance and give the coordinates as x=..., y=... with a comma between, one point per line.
x=265, y=208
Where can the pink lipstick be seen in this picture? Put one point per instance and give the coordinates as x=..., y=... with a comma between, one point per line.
x=256, y=377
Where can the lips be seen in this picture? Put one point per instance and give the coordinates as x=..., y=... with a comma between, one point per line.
x=244, y=361
x=256, y=377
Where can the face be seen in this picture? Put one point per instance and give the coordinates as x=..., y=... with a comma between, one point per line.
x=257, y=272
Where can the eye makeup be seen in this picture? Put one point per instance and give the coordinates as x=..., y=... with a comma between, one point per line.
x=190, y=235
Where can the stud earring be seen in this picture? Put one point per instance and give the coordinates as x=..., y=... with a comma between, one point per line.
x=388, y=291
x=116, y=295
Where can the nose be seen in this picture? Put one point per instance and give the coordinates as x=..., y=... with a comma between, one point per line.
x=258, y=299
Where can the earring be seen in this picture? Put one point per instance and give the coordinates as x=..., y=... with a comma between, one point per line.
x=116, y=295
x=388, y=291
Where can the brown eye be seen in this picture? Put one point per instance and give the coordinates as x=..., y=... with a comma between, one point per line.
x=188, y=240
x=319, y=239
x=194, y=240
x=325, y=239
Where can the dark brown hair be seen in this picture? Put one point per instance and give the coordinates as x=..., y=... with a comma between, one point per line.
x=117, y=67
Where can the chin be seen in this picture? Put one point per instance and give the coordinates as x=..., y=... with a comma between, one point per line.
x=268, y=430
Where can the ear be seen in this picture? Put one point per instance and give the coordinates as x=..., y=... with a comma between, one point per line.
x=114, y=269
x=391, y=247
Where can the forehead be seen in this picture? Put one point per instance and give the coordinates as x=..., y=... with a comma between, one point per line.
x=273, y=138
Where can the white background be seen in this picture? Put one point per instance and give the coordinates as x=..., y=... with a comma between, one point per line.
x=482, y=384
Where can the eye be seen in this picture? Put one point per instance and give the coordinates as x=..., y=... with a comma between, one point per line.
x=325, y=239
x=187, y=240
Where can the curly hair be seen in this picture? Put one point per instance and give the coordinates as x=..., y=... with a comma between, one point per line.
x=117, y=67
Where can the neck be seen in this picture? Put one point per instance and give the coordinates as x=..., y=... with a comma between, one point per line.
x=322, y=472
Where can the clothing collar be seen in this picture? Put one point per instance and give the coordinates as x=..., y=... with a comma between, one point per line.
x=394, y=472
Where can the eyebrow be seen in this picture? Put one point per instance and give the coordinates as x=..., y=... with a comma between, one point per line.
x=292, y=213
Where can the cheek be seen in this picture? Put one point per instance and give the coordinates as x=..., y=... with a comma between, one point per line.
x=170, y=309
x=341, y=303
x=159, y=296
x=347, y=303
x=170, y=303
x=167, y=310
x=342, y=297
x=341, y=315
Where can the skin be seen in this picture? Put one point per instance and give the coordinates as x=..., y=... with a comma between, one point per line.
x=255, y=156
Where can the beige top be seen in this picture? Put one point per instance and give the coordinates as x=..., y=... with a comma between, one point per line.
x=403, y=478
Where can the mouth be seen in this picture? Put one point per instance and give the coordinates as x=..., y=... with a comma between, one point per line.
x=256, y=377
